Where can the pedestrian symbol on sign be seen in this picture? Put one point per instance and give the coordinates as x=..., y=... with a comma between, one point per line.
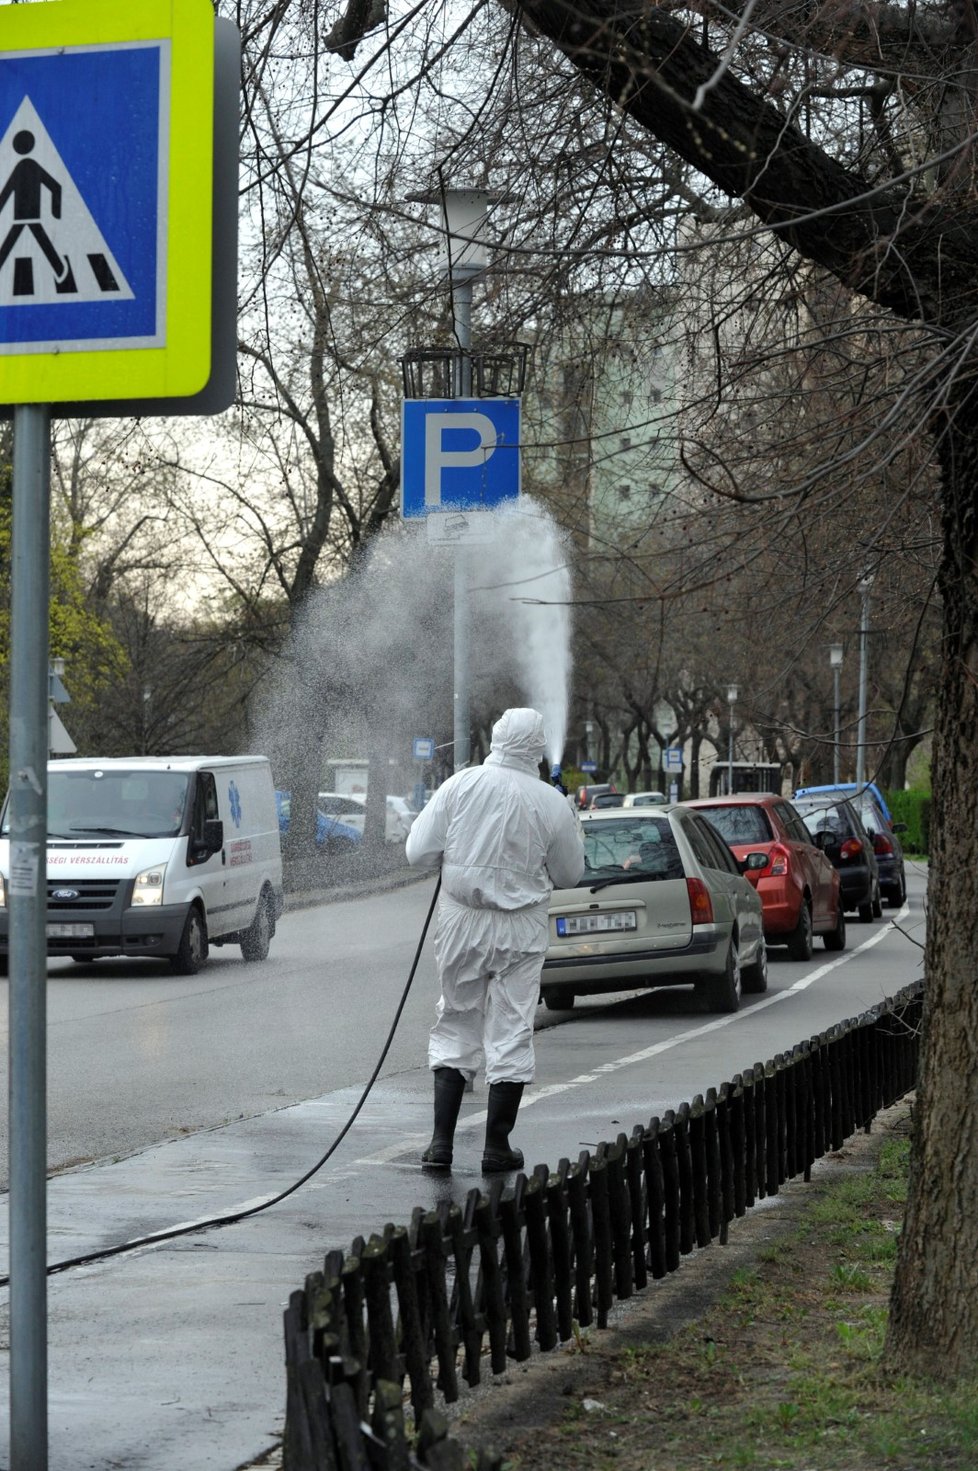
x=50, y=246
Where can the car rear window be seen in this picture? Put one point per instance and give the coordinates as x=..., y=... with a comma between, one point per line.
x=632, y=846
x=872, y=818
x=739, y=823
x=822, y=819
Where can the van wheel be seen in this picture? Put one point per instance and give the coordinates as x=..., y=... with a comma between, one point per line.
x=257, y=937
x=191, y=953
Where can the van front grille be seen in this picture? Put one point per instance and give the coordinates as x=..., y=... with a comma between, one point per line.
x=92, y=893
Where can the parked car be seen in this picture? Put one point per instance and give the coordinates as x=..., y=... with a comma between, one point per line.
x=836, y=829
x=644, y=799
x=849, y=789
x=662, y=902
x=605, y=799
x=400, y=816
x=870, y=803
x=586, y=794
x=332, y=834
x=799, y=888
x=352, y=811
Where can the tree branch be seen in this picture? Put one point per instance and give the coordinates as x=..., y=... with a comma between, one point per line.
x=916, y=258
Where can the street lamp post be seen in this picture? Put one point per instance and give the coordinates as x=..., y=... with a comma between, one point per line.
x=463, y=213
x=836, y=652
x=732, y=692
x=865, y=586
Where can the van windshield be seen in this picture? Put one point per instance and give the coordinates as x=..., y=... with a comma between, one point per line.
x=113, y=804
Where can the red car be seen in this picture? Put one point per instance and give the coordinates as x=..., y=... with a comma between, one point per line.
x=797, y=884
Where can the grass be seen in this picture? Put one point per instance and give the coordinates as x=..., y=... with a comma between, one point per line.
x=782, y=1372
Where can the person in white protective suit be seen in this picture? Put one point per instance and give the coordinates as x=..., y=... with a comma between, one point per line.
x=504, y=839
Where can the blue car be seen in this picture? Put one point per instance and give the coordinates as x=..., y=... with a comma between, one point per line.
x=331, y=833
x=849, y=789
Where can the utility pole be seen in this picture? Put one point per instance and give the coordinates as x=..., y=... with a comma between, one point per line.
x=865, y=587
x=732, y=693
x=836, y=653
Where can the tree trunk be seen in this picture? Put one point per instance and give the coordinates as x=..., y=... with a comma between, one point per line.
x=934, y=1313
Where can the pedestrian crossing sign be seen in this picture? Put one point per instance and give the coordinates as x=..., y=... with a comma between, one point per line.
x=106, y=141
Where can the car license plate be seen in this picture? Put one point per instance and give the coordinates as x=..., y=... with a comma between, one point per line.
x=596, y=924
x=71, y=931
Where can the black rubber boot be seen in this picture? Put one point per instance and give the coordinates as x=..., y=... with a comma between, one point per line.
x=449, y=1087
x=504, y=1105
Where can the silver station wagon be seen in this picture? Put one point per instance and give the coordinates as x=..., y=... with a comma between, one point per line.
x=663, y=902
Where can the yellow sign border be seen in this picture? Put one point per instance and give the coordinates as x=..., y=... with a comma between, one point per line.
x=182, y=365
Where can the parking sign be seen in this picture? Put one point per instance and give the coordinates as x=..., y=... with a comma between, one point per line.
x=459, y=454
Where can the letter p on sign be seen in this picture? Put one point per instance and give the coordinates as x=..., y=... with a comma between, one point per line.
x=477, y=428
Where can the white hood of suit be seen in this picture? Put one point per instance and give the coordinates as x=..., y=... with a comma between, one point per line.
x=518, y=740
x=504, y=837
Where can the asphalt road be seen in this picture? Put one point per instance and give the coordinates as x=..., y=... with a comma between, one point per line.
x=137, y=1054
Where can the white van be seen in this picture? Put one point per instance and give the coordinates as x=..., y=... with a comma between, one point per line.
x=158, y=856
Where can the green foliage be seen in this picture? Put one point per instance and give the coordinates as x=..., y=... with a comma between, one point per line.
x=93, y=655
x=913, y=808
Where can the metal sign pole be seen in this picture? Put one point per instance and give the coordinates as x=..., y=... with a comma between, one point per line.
x=27, y=905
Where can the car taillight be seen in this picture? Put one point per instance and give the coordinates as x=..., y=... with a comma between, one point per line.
x=778, y=859
x=851, y=848
x=700, y=903
x=882, y=845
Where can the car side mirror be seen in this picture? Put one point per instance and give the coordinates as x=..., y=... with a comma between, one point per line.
x=899, y=827
x=822, y=840
x=753, y=861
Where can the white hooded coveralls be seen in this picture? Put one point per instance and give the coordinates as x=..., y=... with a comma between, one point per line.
x=505, y=839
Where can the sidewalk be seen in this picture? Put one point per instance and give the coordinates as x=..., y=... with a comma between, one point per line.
x=170, y=1356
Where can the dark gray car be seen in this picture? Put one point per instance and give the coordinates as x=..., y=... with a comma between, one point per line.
x=882, y=830
x=836, y=829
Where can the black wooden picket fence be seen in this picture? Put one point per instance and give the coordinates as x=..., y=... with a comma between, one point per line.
x=550, y=1254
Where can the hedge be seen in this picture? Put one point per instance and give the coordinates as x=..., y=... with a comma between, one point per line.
x=913, y=808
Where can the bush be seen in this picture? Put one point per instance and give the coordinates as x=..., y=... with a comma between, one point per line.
x=913, y=808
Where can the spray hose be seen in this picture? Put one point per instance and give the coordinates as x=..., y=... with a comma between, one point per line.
x=242, y=1215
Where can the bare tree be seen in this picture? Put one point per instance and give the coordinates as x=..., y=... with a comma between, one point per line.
x=844, y=136
x=820, y=129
